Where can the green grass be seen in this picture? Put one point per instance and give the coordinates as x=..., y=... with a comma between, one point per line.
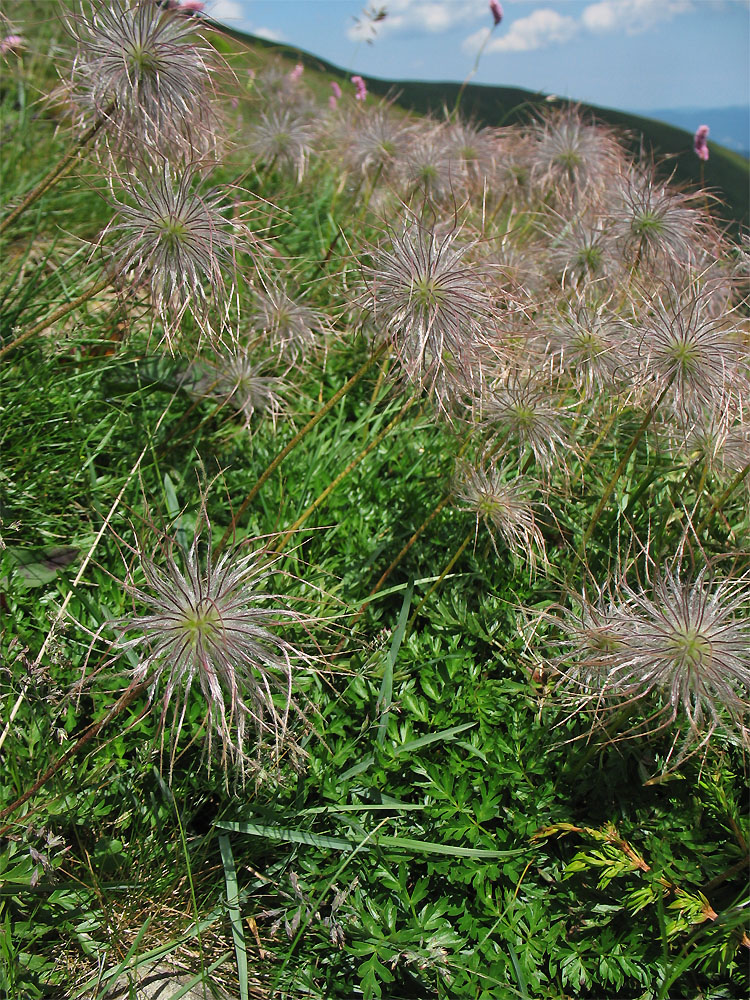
x=443, y=824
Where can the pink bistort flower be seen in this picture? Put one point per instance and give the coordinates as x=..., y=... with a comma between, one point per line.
x=297, y=72
x=188, y=7
x=359, y=83
x=700, y=144
x=11, y=43
x=336, y=89
x=497, y=12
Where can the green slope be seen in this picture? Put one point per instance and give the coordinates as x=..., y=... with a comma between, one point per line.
x=727, y=174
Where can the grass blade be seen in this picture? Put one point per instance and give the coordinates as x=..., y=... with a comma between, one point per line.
x=386, y=688
x=235, y=917
x=407, y=844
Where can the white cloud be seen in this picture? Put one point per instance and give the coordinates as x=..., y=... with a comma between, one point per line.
x=421, y=17
x=269, y=34
x=631, y=16
x=546, y=26
x=228, y=11
x=536, y=31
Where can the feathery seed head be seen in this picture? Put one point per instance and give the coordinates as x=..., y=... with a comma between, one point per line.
x=582, y=253
x=283, y=138
x=586, y=341
x=141, y=68
x=374, y=142
x=291, y=327
x=501, y=500
x=654, y=222
x=209, y=619
x=427, y=167
x=683, y=343
x=433, y=304
x=572, y=156
x=241, y=382
x=524, y=411
x=169, y=233
x=686, y=644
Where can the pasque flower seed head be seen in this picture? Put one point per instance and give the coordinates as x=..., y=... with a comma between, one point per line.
x=140, y=66
x=501, y=500
x=209, y=619
x=686, y=644
x=171, y=234
x=435, y=307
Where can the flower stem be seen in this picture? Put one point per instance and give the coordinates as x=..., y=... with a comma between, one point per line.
x=125, y=699
x=341, y=476
x=64, y=166
x=315, y=419
x=63, y=310
x=454, y=559
x=717, y=504
x=621, y=466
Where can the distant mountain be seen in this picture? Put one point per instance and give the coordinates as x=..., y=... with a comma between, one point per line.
x=729, y=126
x=727, y=174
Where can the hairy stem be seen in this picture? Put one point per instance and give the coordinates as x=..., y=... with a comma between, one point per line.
x=315, y=419
x=63, y=311
x=125, y=699
x=609, y=489
x=719, y=503
x=341, y=476
x=454, y=559
x=64, y=166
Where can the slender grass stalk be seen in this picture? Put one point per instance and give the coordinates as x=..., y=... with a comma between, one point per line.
x=719, y=503
x=318, y=901
x=79, y=577
x=454, y=559
x=379, y=381
x=405, y=549
x=58, y=314
x=191, y=883
x=622, y=464
x=474, y=69
x=312, y=422
x=425, y=524
x=599, y=438
x=341, y=476
x=125, y=699
x=64, y=166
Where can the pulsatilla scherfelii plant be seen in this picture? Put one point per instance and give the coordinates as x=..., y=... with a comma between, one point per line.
x=684, y=646
x=210, y=619
x=501, y=500
x=434, y=306
x=140, y=67
x=172, y=234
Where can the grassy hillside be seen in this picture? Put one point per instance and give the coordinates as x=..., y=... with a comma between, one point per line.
x=727, y=174
x=374, y=540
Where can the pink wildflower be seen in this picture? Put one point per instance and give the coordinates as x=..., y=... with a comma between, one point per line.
x=188, y=7
x=497, y=12
x=332, y=102
x=296, y=73
x=359, y=83
x=336, y=89
x=700, y=145
x=11, y=43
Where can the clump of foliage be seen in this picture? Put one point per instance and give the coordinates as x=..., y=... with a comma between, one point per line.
x=374, y=581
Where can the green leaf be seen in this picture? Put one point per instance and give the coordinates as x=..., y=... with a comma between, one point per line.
x=235, y=917
x=386, y=688
x=407, y=844
x=38, y=567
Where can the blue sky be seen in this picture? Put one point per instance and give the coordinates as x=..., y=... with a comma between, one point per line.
x=630, y=54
